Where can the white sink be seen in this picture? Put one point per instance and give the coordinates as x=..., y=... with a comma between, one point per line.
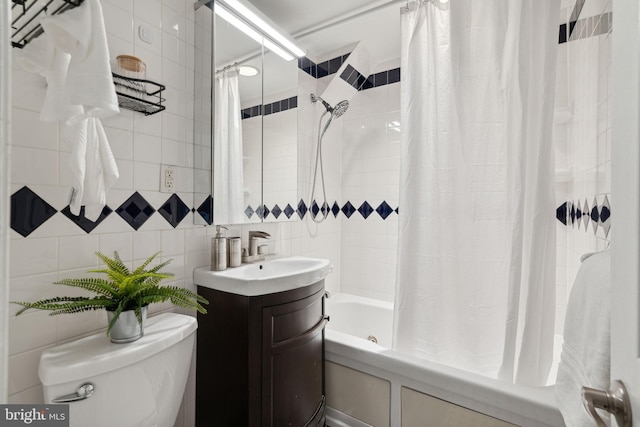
x=266, y=277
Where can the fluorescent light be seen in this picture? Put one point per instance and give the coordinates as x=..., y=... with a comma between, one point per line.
x=245, y=28
x=274, y=40
x=231, y=19
x=278, y=50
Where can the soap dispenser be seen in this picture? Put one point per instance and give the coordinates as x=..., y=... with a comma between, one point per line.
x=219, y=250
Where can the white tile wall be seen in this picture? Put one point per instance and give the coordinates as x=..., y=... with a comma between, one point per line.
x=370, y=171
x=140, y=144
x=280, y=157
x=305, y=237
x=583, y=143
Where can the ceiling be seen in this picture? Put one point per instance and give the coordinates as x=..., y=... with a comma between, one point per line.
x=312, y=23
x=323, y=26
x=379, y=30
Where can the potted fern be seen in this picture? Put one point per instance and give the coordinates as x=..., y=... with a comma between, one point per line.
x=123, y=293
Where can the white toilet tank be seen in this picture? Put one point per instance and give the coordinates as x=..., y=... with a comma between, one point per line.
x=139, y=384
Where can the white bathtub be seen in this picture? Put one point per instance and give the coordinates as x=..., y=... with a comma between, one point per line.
x=382, y=374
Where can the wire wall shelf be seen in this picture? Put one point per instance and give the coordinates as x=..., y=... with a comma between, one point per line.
x=26, y=16
x=143, y=96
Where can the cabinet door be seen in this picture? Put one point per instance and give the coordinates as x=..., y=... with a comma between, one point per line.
x=293, y=369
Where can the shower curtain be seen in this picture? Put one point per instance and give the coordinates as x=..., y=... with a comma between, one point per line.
x=476, y=256
x=228, y=185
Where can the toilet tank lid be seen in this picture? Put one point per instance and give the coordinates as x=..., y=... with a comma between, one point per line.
x=96, y=354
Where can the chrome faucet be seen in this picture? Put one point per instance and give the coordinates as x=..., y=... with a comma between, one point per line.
x=256, y=252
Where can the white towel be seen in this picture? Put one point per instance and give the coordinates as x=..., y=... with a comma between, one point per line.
x=93, y=166
x=80, y=32
x=73, y=55
x=585, y=358
x=41, y=56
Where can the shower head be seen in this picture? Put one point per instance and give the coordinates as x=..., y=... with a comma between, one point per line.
x=340, y=108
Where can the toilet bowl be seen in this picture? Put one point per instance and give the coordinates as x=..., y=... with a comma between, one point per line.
x=139, y=384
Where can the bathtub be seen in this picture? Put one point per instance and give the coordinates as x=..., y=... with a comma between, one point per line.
x=369, y=384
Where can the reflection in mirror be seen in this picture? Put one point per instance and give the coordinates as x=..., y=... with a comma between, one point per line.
x=280, y=138
x=237, y=166
x=254, y=138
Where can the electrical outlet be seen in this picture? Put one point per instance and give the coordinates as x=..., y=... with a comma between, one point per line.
x=167, y=179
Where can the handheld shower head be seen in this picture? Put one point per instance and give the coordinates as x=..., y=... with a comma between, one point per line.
x=337, y=111
x=340, y=108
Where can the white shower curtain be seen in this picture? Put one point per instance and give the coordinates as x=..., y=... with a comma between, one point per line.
x=228, y=185
x=476, y=258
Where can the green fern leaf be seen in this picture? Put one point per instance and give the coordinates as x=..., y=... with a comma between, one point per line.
x=160, y=266
x=115, y=264
x=142, y=267
x=93, y=284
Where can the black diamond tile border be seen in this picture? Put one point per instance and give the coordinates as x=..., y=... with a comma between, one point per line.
x=249, y=211
x=276, y=211
x=335, y=209
x=579, y=214
x=205, y=210
x=135, y=210
x=384, y=210
x=289, y=211
x=365, y=210
x=325, y=209
x=174, y=210
x=29, y=211
x=302, y=209
x=348, y=209
x=315, y=209
x=81, y=221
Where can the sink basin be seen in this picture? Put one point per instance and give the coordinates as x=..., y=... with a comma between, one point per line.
x=266, y=277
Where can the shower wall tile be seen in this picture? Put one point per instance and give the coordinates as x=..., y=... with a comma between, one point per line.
x=59, y=247
x=29, y=132
x=370, y=172
x=583, y=154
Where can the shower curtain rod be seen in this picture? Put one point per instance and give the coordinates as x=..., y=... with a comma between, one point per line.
x=242, y=60
x=226, y=67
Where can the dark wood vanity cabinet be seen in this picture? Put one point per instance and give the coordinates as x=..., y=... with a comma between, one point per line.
x=260, y=359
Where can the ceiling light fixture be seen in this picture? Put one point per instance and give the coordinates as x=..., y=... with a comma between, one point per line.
x=248, y=71
x=253, y=23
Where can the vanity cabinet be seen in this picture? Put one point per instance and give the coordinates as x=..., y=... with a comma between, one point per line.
x=260, y=359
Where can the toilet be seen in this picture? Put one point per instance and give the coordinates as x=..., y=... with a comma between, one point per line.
x=139, y=384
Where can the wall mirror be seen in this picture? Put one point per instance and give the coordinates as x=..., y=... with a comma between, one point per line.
x=246, y=123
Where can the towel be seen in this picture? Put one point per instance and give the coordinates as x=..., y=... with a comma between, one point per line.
x=42, y=57
x=94, y=168
x=73, y=55
x=80, y=32
x=585, y=358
